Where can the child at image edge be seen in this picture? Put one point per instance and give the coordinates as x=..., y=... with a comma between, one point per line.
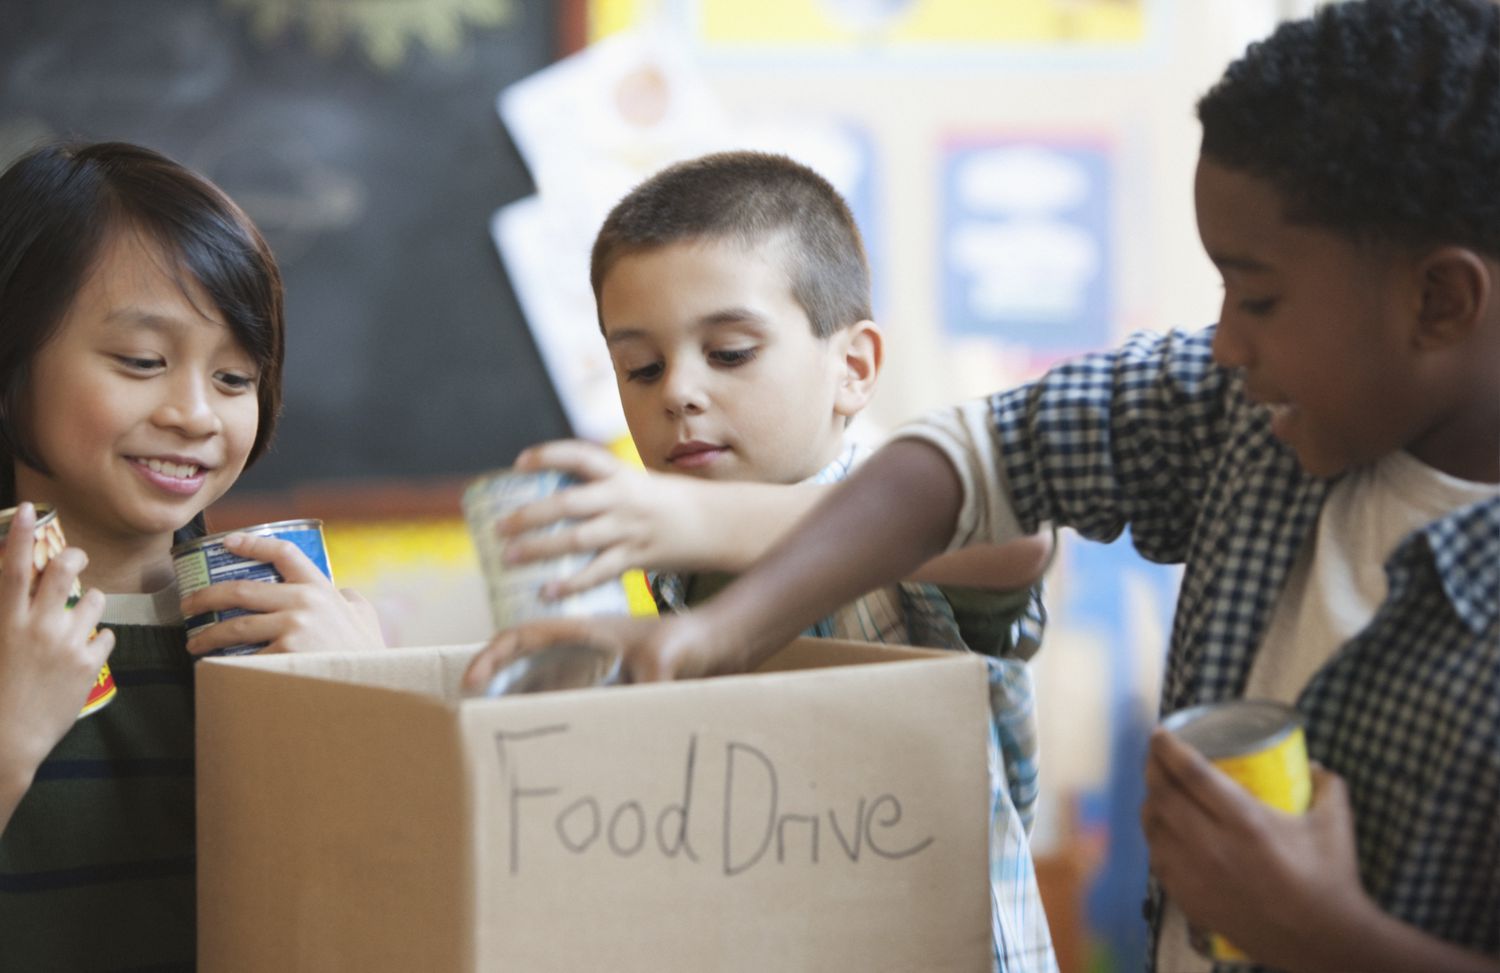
x=1324, y=462
x=734, y=297
x=140, y=371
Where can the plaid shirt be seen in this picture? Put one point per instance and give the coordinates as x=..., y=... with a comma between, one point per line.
x=1155, y=437
x=919, y=614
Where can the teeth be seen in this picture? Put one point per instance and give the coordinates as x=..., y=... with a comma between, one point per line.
x=181, y=471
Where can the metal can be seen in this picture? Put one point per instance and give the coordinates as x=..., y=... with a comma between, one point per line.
x=48, y=542
x=515, y=588
x=1262, y=746
x=204, y=561
x=568, y=665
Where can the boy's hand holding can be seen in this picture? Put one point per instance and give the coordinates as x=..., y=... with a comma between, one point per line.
x=1275, y=884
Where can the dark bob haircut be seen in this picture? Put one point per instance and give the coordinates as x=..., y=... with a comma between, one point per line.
x=61, y=203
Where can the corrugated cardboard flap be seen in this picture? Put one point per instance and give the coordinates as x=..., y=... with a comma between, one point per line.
x=333, y=818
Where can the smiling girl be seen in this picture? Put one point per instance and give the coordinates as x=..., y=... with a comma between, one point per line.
x=141, y=343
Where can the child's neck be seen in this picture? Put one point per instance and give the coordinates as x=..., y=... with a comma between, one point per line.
x=125, y=567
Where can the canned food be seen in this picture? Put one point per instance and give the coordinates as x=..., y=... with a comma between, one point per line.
x=1261, y=745
x=47, y=543
x=204, y=561
x=568, y=665
x=515, y=589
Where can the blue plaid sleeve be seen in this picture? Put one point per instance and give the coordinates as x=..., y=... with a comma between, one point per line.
x=1116, y=438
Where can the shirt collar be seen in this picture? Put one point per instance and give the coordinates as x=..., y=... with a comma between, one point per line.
x=1465, y=549
x=851, y=453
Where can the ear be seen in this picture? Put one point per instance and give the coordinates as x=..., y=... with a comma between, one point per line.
x=862, y=348
x=1456, y=288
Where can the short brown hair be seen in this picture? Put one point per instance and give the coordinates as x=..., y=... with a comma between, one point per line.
x=751, y=198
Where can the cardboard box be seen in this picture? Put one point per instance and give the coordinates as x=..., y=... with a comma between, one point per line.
x=829, y=812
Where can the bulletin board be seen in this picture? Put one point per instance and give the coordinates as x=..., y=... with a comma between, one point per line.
x=362, y=138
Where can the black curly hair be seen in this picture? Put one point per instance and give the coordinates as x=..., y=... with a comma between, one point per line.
x=1379, y=120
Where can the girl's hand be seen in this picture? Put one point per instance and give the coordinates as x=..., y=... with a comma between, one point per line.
x=304, y=613
x=625, y=516
x=1281, y=887
x=48, y=662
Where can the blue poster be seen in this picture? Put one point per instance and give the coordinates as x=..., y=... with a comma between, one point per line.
x=1024, y=243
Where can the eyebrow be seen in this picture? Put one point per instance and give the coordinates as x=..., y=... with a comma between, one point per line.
x=1247, y=265
x=140, y=317
x=714, y=319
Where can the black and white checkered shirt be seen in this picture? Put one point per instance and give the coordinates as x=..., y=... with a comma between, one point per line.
x=1155, y=438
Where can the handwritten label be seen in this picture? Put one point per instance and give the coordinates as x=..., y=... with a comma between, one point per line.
x=761, y=820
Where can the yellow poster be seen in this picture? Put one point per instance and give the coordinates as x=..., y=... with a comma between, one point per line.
x=916, y=23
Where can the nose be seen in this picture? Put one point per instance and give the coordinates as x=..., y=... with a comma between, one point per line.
x=683, y=391
x=187, y=406
x=1230, y=349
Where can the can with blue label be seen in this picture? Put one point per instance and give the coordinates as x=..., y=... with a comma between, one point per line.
x=205, y=561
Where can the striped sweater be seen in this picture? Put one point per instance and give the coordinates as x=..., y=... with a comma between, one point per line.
x=97, y=863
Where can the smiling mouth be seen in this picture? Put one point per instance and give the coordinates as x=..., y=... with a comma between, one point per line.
x=168, y=468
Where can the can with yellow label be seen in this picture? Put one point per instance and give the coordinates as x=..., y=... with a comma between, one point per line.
x=1262, y=746
x=48, y=542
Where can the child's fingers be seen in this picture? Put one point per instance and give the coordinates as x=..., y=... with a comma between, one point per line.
x=515, y=642
x=249, y=629
x=84, y=618
x=1330, y=795
x=539, y=513
x=256, y=596
x=1206, y=785
x=583, y=459
x=525, y=639
x=579, y=537
x=56, y=586
x=502, y=648
x=100, y=646
x=292, y=564
x=605, y=566
x=16, y=569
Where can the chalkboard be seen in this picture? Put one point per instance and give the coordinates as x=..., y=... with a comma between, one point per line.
x=363, y=140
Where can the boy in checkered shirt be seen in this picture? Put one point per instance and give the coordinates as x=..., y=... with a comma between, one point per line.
x=1324, y=463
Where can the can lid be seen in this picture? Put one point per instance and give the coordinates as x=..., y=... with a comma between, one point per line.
x=44, y=513
x=271, y=529
x=1234, y=726
x=569, y=665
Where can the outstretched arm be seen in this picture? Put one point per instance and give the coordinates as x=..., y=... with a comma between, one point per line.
x=893, y=514
x=633, y=518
